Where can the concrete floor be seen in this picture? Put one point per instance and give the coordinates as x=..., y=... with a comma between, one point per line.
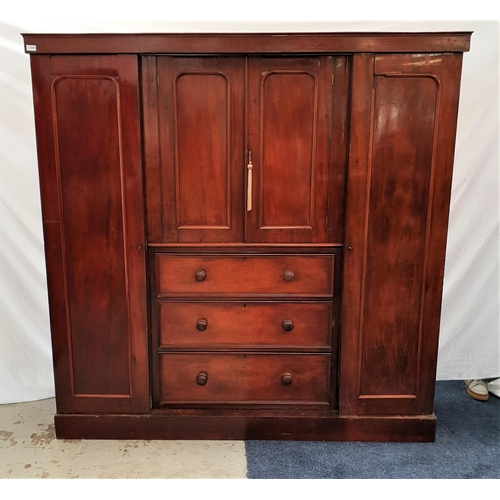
x=29, y=449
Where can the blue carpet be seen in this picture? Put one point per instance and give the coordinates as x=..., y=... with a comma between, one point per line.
x=467, y=446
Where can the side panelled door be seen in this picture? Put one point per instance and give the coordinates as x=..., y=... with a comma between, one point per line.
x=89, y=152
x=399, y=183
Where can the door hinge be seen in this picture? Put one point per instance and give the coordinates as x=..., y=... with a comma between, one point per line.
x=157, y=78
x=333, y=79
x=326, y=221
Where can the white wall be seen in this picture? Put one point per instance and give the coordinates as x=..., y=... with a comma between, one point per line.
x=470, y=338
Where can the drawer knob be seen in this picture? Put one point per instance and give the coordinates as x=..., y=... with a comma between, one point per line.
x=202, y=378
x=287, y=325
x=200, y=275
x=287, y=379
x=201, y=324
x=289, y=276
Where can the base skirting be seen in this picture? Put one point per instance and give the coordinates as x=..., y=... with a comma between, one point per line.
x=178, y=425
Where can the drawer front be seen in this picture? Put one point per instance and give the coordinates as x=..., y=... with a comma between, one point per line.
x=198, y=324
x=240, y=275
x=244, y=378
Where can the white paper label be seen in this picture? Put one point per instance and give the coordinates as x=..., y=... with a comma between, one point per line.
x=30, y=48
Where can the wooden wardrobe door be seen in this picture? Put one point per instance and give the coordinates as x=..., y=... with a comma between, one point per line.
x=402, y=140
x=199, y=182
x=289, y=128
x=89, y=155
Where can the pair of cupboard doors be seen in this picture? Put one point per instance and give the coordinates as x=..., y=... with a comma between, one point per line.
x=249, y=149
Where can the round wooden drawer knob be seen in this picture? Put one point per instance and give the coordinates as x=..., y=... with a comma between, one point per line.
x=287, y=325
x=287, y=379
x=202, y=378
x=289, y=276
x=201, y=325
x=200, y=275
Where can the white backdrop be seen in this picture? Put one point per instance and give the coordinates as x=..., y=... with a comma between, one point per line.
x=470, y=335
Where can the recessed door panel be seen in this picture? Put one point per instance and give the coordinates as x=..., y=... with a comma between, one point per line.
x=289, y=104
x=396, y=244
x=92, y=205
x=203, y=173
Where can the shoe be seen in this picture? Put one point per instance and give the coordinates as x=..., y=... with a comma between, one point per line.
x=494, y=387
x=477, y=389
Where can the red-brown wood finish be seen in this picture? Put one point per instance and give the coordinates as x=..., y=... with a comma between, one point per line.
x=248, y=328
x=285, y=131
x=91, y=185
x=289, y=130
x=280, y=276
x=200, y=175
x=151, y=149
x=230, y=325
x=398, y=120
x=247, y=43
x=311, y=313
x=92, y=210
x=339, y=144
x=251, y=424
x=250, y=378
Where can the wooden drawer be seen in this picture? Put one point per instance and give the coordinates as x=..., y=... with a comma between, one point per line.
x=243, y=275
x=202, y=324
x=244, y=378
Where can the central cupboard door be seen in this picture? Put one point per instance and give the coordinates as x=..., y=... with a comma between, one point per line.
x=244, y=149
x=288, y=117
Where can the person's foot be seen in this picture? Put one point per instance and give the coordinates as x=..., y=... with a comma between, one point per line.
x=477, y=389
x=494, y=387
